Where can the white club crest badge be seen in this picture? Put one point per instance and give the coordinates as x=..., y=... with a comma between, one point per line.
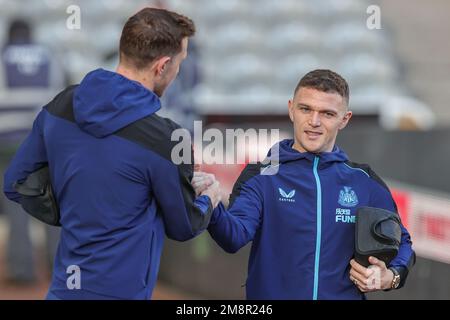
x=347, y=197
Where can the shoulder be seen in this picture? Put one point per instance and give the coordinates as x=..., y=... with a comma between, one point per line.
x=153, y=133
x=369, y=172
x=250, y=172
x=61, y=105
x=381, y=195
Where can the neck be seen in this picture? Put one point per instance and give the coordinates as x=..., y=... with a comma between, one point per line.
x=135, y=75
x=297, y=146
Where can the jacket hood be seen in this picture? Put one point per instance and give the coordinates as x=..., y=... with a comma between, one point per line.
x=286, y=153
x=106, y=101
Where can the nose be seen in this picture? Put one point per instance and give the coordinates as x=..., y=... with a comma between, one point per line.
x=314, y=120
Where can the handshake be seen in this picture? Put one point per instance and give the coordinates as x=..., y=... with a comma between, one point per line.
x=206, y=184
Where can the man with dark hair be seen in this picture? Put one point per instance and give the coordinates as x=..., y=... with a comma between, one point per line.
x=109, y=156
x=301, y=219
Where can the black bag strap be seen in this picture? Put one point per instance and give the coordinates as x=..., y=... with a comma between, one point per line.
x=379, y=235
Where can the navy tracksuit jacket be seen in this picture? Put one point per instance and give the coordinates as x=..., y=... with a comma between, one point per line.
x=119, y=193
x=301, y=222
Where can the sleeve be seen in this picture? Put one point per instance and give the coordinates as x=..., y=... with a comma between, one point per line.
x=234, y=228
x=30, y=157
x=406, y=257
x=185, y=215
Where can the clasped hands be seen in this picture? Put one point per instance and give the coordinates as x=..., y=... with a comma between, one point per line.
x=206, y=184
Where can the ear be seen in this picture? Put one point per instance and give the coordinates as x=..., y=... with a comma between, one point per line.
x=291, y=110
x=345, y=120
x=160, y=66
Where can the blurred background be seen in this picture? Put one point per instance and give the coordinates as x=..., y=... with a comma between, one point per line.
x=243, y=65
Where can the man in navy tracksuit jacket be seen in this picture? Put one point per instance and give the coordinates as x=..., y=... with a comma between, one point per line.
x=300, y=214
x=109, y=156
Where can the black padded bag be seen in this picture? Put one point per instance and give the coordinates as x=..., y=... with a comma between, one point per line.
x=377, y=234
x=37, y=197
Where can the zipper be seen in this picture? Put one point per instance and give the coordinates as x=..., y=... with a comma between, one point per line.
x=318, y=228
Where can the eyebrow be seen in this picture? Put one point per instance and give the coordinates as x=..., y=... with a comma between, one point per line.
x=308, y=106
x=303, y=105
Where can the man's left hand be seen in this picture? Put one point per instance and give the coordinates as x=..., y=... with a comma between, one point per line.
x=373, y=278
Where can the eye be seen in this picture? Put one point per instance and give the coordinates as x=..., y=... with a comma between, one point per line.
x=329, y=114
x=305, y=110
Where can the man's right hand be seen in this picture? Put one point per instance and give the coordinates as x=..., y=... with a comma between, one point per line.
x=202, y=181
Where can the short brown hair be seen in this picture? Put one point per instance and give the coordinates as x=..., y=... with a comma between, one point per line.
x=326, y=81
x=153, y=33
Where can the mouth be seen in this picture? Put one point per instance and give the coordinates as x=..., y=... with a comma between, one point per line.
x=313, y=134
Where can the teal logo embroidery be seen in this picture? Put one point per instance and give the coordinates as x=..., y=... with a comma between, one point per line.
x=286, y=197
x=347, y=197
